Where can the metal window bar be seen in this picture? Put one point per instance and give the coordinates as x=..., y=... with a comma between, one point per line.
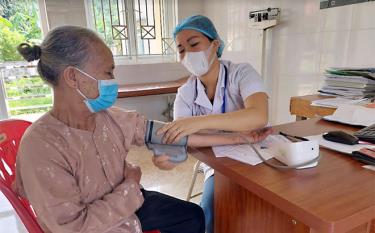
x=168, y=46
x=94, y=14
x=119, y=31
x=147, y=23
x=118, y=22
x=103, y=20
x=130, y=27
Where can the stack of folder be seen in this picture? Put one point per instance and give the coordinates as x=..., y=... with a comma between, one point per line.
x=348, y=82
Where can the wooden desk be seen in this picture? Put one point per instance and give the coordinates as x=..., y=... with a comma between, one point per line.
x=301, y=107
x=145, y=89
x=336, y=196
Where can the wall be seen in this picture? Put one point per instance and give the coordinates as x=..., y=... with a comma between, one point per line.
x=189, y=7
x=68, y=12
x=306, y=41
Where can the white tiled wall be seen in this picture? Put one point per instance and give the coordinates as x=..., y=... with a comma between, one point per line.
x=301, y=47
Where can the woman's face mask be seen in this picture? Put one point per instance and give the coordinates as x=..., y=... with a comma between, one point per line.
x=108, y=90
x=197, y=63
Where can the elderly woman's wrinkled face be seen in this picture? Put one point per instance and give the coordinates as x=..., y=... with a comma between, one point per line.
x=191, y=41
x=100, y=65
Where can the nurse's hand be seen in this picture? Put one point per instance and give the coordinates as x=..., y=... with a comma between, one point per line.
x=162, y=162
x=255, y=136
x=174, y=131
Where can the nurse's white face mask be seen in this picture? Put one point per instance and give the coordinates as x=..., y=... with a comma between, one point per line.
x=197, y=63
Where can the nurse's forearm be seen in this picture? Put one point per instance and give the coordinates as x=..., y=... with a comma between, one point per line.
x=204, y=140
x=241, y=120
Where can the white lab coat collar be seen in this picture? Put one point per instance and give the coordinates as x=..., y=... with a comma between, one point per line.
x=202, y=99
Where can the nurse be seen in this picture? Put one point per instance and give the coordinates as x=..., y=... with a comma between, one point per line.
x=219, y=95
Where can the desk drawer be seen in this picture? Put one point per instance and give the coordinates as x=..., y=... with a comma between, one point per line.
x=239, y=211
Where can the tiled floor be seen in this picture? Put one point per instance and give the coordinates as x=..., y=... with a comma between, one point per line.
x=9, y=221
x=174, y=183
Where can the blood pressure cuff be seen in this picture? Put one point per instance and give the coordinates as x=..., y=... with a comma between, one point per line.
x=176, y=151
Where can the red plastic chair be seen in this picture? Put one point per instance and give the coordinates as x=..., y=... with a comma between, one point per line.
x=13, y=131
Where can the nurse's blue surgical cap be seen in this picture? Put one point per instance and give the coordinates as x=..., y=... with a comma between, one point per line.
x=203, y=25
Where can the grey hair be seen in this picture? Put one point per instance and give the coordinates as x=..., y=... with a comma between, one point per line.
x=62, y=47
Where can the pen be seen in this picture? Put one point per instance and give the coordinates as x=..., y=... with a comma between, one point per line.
x=295, y=137
x=370, y=167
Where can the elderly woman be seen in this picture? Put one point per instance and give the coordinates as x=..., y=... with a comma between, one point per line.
x=72, y=163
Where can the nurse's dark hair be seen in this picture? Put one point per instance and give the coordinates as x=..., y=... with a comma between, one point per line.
x=62, y=47
x=209, y=38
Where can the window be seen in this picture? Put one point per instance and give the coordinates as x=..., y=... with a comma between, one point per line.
x=25, y=95
x=135, y=28
x=22, y=92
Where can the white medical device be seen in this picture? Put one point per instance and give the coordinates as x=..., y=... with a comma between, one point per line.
x=295, y=155
x=298, y=155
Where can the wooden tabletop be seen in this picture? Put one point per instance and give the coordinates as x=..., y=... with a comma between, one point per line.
x=301, y=107
x=145, y=89
x=333, y=195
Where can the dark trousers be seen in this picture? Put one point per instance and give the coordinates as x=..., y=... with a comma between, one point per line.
x=169, y=215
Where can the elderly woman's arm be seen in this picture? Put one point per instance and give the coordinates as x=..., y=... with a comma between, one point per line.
x=55, y=195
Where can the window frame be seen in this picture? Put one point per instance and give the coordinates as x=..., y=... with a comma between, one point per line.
x=133, y=59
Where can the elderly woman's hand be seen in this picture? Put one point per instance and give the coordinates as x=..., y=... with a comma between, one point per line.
x=133, y=172
x=162, y=162
x=174, y=131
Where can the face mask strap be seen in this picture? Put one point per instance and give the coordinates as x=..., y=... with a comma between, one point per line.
x=209, y=53
x=86, y=100
x=80, y=92
x=83, y=72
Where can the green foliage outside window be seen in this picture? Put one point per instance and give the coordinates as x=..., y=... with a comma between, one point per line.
x=19, y=22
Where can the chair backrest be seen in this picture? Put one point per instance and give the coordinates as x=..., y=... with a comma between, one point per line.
x=22, y=208
x=11, y=132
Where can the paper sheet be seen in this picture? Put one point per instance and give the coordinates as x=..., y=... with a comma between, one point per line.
x=336, y=102
x=353, y=115
x=347, y=149
x=244, y=153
